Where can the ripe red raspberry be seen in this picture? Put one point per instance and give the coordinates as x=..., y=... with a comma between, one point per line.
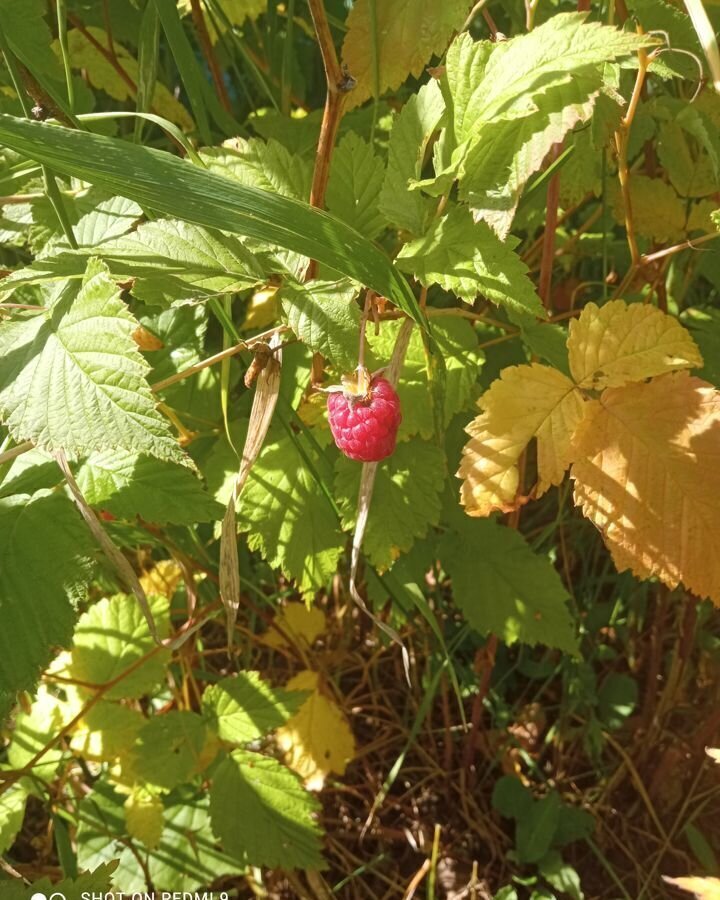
x=365, y=426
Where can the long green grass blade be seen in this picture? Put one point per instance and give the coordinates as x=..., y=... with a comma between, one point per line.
x=173, y=187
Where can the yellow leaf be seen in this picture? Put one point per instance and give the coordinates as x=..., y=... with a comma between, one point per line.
x=318, y=739
x=163, y=578
x=713, y=753
x=526, y=402
x=144, y=817
x=647, y=474
x=86, y=52
x=703, y=888
x=619, y=342
x=235, y=12
x=407, y=34
x=298, y=623
x=261, y=310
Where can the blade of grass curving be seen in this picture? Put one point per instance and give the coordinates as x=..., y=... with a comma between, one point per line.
x=148, y=49
x=65, y=52
x=171, y=186
x=187, y=66
x=169, y=127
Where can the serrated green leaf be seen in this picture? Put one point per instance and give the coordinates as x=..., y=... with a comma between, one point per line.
x=291, y=522
x=356, y=177
x=704, y=325
x=243, y=708
x=458, y=345
x=166, y=260
x=168, y=750
x=468, y=258
x=44, y=556
x=186, y=859
x=111, y=637
x=277, y=827
x=72, y=378
x=31, y=732
x=405, y=503
x=97, y=882
x=415, y=125
x=166, y=184
x=324, y=315
x=12, y=812
x=29, y=38
x=129, y=485
x=504, y=588
x=262, y=164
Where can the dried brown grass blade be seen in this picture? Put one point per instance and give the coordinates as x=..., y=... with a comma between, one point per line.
x=267, y=389
x=124, y=570
x=367, y=486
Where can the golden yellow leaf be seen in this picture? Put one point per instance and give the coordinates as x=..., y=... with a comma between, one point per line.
x=234, y=13
x=298, y=623
x=647, y=474
x=163, y=578
x=616, y=343
x=318, y=739
x=526, y=402
x=703, y=888
x=407, y=34
x=144, y=817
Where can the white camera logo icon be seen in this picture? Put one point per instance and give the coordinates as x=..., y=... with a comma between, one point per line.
x=54, y=896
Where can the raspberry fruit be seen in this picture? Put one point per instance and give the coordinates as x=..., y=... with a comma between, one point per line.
x=364, y=417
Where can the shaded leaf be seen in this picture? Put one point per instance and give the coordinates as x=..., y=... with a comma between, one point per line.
x=646, y=475
x=526, y=402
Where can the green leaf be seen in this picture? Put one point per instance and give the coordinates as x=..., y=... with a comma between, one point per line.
x=186, y=859
x=504, y=588
x=98, y=883
x=243, y=708
x=521, y=71
x=534, y=833
x=291, y=522
x=166, y=260
x=277, y=826
x=72, y=378
x=325, y=316
x=129, y=485
x=405, y=502
x=111, y=638
x=458, y=345
x=44, y=550
x=168, y=749
x=561, y=875
x=511, y=798
x=468, y=258
x=409, y=139
x=32, y=731
x=168, y=185
x=265, y=165
x=12, y=813
x=704, y=324
x=356, y=178
x=29, y=38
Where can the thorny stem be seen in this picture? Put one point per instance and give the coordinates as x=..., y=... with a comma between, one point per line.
x=337, y=87
x=622, y=136
x=551, y=221
x=369, y=295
